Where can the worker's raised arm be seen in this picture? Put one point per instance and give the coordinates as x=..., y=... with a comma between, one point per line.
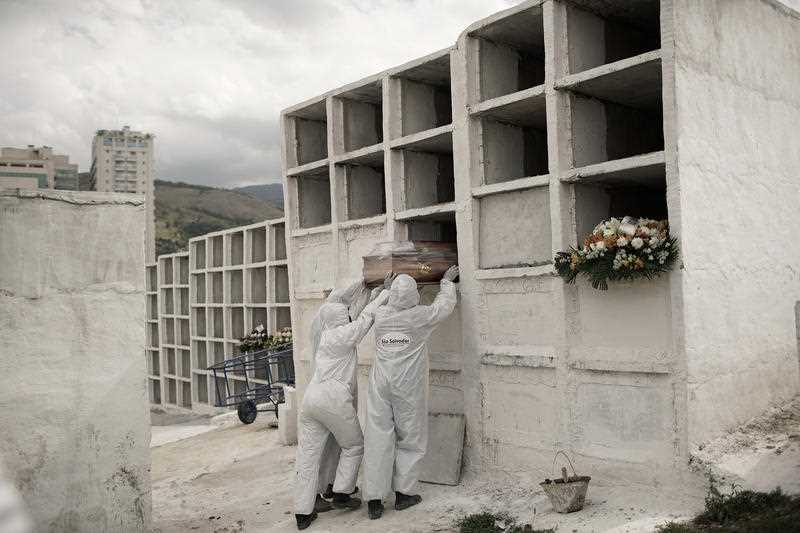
x=444, y=303
x=352, y=333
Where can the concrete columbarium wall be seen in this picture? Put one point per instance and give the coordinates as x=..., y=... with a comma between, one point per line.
x=565, y=113
x=737, y=73
x=76, y=428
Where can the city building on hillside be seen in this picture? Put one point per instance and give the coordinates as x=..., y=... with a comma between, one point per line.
x=36, y=167
x=122, y=161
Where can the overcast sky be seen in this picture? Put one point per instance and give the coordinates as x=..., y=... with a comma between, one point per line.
x=207, y=77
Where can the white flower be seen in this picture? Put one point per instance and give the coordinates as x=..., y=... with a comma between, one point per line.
x=637, y=242
x=608, y=232
x=628, y=229
x=622, y=242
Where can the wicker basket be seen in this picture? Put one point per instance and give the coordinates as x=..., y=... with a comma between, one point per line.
x=567, y=494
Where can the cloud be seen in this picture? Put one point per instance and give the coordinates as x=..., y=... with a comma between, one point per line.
x=207, y=77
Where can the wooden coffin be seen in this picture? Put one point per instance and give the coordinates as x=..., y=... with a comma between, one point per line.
x=425, y=261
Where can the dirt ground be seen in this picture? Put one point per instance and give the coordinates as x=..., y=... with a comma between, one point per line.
x=231, y=478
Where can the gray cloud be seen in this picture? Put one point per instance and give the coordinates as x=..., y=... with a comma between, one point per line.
x=207, y=77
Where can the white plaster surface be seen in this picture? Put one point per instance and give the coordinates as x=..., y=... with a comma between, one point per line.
x=76, y=441
x=738, y=107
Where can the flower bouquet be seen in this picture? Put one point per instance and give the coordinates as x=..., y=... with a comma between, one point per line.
x=616, y=250
x=259, y=339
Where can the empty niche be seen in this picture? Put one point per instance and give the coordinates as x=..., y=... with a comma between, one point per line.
x=236, y=248
x=236, y=280
x=220, y=390
x=217, y=247
x=199, y=322
x=186, y=394
x=169, y=357
x=155, y=364
x=172, y=394
x=201, y=387
x=217, y=290
x=152, y=279
x=515, y=229
x=366, y=191
x=169, y=330
x=425, y=96
x=511, y=54
x=440, y=227
x=152, y=307
x=606, y=34
x=184, y=300
x=429, y=178
x=184, y=332
x=258, y=317
x=258, y=285
x=309, y=134
x=167, y=298
x=603, y=130
x=257, y=238
x=237, y=322
x=166, y=271
x=218, y=351
x=199, y=288
x=200, y=354
x=153, y=335
x=278, y=242
x=280, y=279
x=513, y=150
x=186, y=363
x=155, y=391
x=217, y=324
x=183, y=270
x=199, y=253
x=362, y=117
x=283, y=318
x=314, y=199
x=596, y=203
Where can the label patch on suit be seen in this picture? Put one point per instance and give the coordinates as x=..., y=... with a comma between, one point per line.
x=393, y=342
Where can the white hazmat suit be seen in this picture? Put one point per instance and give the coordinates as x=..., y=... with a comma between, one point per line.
x=354, y=297
x=328, y=407
x=397, y=401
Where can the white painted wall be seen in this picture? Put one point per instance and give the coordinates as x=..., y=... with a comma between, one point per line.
x=737, y=111
x=75, y=422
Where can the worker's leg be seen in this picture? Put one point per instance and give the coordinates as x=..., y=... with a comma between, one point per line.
x=330, y=460
x=312, y=436
x=379, y=438
x=411, y=422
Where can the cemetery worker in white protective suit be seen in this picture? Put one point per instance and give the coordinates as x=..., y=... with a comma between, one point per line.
x=328, y=408
x=397, y=403
x=354, y=297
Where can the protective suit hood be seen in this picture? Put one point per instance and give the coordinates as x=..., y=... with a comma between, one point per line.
x=403, y=293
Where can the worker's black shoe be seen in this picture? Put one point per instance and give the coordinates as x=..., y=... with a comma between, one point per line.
x=322, y=505
x=375, y=509
x=404, y=501
x=304, y=520
x=328, y=494
x=345, y=501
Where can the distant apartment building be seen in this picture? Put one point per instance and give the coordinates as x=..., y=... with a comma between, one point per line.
x=36, y=167
x=122, y=161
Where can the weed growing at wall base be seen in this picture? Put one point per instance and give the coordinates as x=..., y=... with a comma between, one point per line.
x=486, y=522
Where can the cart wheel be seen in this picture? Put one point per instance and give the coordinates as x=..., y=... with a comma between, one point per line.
x=247, y=412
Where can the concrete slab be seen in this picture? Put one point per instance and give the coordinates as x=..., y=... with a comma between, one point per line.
x=442, y=462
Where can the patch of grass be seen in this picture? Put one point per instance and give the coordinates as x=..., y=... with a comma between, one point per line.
x=486, y=522
x=744, y=511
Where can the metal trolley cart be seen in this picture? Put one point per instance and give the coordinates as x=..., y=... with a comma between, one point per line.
x=252, y=379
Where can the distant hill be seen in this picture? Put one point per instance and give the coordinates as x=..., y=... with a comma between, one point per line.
x=271, y=192
x=184, y=211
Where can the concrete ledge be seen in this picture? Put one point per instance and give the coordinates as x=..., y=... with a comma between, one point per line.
x=308, y=169
x=372, y=154
x=636, y=367
x=75, y=197
x=529, y=361
x=436, y=140
x=511, y=185
x=362, y=222
x=645, y=169
x=522, y=272
x=302, y=232
x=425, y=212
